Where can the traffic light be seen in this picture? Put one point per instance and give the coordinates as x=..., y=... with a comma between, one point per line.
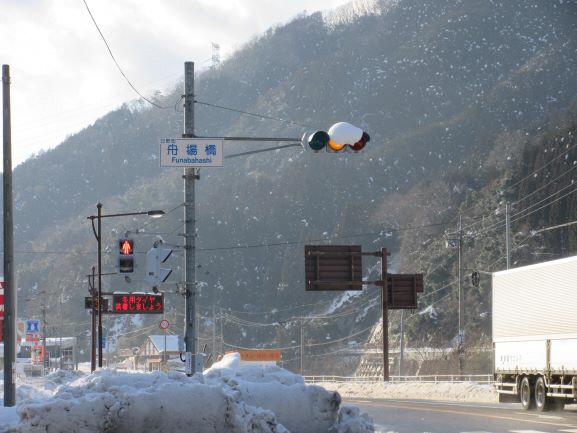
x=475, y=278
x=341, y=136
x=318, y=140
x=155, y=273
x=125, y=255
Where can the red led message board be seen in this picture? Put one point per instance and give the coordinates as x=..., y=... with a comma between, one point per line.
x=138, y=303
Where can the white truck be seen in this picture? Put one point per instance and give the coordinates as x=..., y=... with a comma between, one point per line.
x=535, y=334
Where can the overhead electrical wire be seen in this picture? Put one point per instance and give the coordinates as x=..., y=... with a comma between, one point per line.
x=534, y=172
x=338, y=340
x=544, y=186
x=572, y=184
x=544, y=206
x=525, y=211
x=358, y=309
x=261, y=116
x=208, y=104
x=274, y=244
x=117, y=64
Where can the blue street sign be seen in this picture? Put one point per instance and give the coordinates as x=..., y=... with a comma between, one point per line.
x=32, y=327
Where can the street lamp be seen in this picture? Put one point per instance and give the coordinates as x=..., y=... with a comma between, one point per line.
x=97, y=233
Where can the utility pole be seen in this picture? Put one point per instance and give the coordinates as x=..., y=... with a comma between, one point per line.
x=508, y=234
x=44, y=339
x=213, y=350
x=385, y=312
x=402, y=347
x=461, y=336
x=302, y=346
x=93, y=312
x=99, y=238
x=190, y=175
x=9, y=286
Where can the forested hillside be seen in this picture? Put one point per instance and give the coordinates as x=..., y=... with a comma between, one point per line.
x=465, y=102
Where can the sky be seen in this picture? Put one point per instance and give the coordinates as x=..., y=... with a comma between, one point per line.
x=63, y=77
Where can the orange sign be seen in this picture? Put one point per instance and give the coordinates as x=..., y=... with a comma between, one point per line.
x=260, y=355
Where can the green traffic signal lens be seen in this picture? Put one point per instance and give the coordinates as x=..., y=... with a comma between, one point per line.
x=318, y=140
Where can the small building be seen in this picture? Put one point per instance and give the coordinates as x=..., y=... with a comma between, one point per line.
x=158, y=350
x=61, y=353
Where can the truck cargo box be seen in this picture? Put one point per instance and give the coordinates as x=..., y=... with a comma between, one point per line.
x=536, y=302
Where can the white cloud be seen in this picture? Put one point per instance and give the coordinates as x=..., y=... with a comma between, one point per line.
x=63, y=77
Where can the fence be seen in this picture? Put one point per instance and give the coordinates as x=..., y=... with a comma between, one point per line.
x=437, y=378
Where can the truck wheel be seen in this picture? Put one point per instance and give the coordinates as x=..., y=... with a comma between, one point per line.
x=526, y=394
x=542, y=402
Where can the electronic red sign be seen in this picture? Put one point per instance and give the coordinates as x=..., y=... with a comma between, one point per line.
x=138, y=303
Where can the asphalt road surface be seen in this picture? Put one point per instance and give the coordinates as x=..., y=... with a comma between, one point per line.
x=418, y=416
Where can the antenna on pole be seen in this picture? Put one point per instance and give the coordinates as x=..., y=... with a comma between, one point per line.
x=215, y=56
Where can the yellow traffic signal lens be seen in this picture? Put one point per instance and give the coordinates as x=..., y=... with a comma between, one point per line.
x=335, y=146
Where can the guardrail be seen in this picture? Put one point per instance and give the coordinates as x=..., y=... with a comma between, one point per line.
x=433, y=378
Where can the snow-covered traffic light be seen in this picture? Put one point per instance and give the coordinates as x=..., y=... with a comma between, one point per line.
x=155, y=273
x=125, y=255
x=340, y=137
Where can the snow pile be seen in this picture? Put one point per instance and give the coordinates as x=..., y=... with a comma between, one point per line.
x=228, y=398
x=460, y=392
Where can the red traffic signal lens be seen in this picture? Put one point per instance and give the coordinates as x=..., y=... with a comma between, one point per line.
x=126, y=247
x=359, y=145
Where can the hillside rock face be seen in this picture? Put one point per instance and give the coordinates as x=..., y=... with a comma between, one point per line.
x=462, y=98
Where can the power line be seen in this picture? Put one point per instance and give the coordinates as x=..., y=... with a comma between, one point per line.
x=243, y=322
x=554, y=227
x=247, y=113
x=544, y=186
x=116, y=62
x=546, y=205
x=540, y=168
x=274, y=244
x=525, y=212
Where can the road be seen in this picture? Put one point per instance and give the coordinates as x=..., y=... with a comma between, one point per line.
x=412, y=416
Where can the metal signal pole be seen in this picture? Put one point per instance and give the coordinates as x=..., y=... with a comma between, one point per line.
x=9, y=286
x=190, y=175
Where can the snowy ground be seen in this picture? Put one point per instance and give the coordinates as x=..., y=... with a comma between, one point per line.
x=227, y=398
x=460, y=392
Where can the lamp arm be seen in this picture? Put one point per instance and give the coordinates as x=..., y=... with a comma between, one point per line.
x=94, y=228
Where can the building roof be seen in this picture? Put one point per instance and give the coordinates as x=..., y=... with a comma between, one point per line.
x=63, y=342
x=174, y=343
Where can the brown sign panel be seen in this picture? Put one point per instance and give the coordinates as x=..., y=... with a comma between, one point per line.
x=88, y=303
x=402, y=290
x=333, y=267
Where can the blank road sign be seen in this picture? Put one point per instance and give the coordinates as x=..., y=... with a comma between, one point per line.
x=333, y=267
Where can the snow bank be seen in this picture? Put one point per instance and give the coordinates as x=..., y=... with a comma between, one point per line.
x=460, y=392
x=228, y=398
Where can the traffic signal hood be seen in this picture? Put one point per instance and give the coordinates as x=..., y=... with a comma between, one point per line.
x=340, y=137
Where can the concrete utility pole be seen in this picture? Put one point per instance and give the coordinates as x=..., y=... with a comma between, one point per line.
x=44, y=340
x=461, y=336
x=9, y=286
x=508, y=234
x=190, y=175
